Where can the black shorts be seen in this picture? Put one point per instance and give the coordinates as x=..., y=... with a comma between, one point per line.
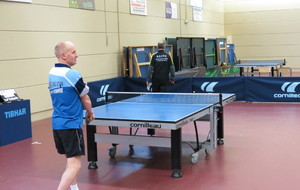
x=69, y=142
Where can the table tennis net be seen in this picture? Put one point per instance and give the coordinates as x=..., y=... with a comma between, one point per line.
x=171, y=98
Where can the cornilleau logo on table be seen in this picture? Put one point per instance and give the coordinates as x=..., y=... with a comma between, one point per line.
x=103, y=90
x=146, y=125
x=208, y=86
x=290, y=90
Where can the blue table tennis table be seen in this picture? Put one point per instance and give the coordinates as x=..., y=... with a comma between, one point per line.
x=254, y=63
x=169, y=111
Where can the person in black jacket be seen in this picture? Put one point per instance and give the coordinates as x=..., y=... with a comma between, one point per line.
x=161, y=71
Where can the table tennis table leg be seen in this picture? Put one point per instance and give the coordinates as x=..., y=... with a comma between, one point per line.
x=113, y=149
x=91, y=146
x=176, y=153
x=220, y=126
x=241, y=71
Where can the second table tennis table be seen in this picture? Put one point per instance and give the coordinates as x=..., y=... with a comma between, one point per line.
x=255, y=63
x=170, y=111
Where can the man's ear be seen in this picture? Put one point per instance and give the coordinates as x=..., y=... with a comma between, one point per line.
x=63, y=56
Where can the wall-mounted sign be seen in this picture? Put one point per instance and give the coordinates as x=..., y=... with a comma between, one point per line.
x=24, y=1
x=197, y=13
x=82, y=4
x=138, y=7
x=171, y=10
x=196, y=3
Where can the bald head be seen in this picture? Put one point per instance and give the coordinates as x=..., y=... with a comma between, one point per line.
x=62, y=48
x=66, y=53
x=161, y=45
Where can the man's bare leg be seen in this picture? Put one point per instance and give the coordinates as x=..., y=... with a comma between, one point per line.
x=70, y=174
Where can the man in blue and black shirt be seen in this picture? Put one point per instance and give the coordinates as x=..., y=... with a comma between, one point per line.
x=69, y=96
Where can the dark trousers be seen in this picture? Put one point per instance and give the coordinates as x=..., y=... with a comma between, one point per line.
x=159, y=86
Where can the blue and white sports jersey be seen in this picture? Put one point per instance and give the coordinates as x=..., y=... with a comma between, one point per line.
x=66, y=86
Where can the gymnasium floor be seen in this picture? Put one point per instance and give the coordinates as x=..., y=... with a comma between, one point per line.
x=260, y=153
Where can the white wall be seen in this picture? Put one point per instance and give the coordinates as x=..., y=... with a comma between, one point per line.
x=265, y=29
x=29, y=32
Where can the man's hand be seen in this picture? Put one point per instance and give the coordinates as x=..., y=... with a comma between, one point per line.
x=147, y=83
x=172, y=82
x=89, y=117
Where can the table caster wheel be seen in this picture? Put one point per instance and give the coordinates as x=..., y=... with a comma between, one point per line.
x=194, y=158
x=131, y=150
x=206, y=151
x=112, y=151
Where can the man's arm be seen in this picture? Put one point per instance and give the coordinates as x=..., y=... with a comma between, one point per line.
x=149, y=74
x=172, y=70
x=87, y=105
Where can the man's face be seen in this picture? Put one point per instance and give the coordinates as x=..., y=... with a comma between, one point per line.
x=71, y=55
